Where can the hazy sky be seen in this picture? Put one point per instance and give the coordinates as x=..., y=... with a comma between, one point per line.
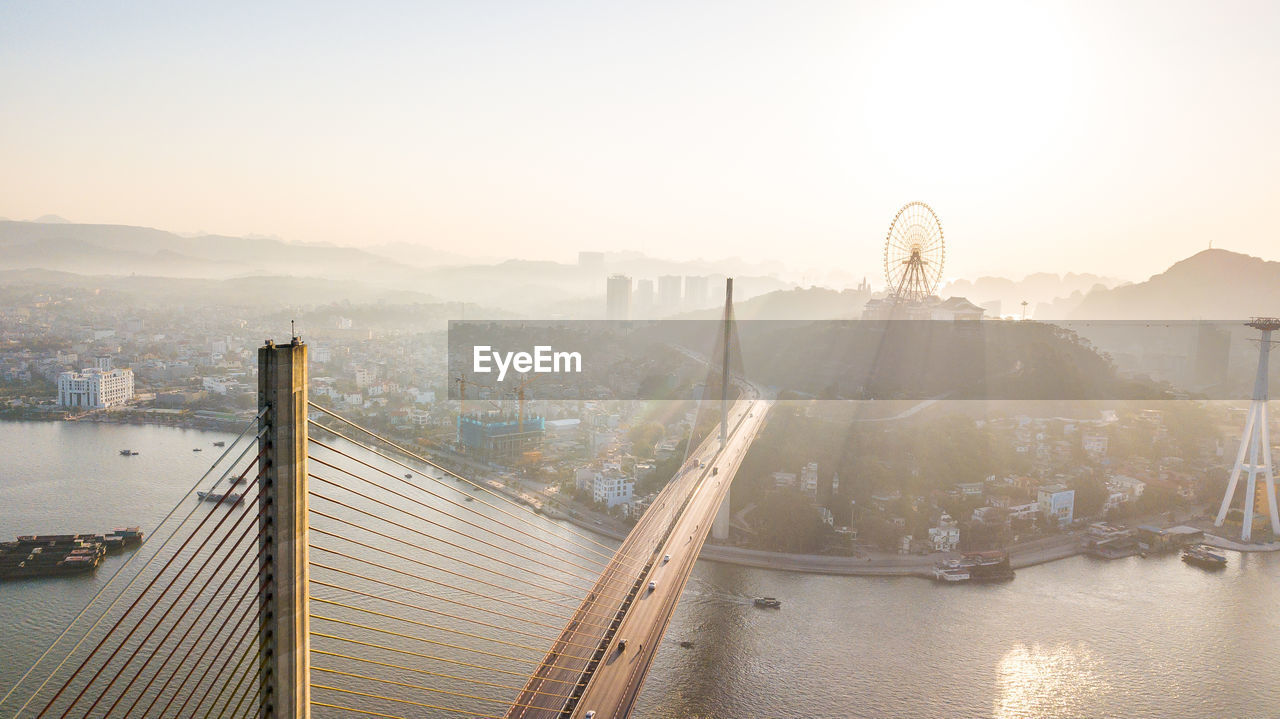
x=1112, y=137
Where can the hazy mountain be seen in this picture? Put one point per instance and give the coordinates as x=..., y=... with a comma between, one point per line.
x=1213, y=284
x=125, y=250
x=260, y=292
x=52, y=220
x=800, y=303
x=424, y=256
x=1035, y=289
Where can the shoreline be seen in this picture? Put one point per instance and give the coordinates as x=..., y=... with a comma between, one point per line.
x=1030, y=554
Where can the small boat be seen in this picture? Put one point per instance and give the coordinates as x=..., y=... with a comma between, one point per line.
x=471, y=499
x=128, y=453
x=219, y=444
x=686, y=645
x=408, y=476
x=228, y=497
x=197, y=449
x=1203, y=557
x=767, y=602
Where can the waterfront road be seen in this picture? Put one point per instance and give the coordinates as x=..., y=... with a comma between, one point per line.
x=587, y=659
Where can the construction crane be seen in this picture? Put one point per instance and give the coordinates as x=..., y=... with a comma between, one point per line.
x=519, y=390
x=462, y=392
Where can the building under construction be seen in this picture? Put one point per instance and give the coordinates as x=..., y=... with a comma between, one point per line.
x=500, y=436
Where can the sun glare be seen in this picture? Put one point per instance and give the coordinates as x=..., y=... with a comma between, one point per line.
x=970, y=91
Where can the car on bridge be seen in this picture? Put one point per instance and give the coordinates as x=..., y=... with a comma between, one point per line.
x=666, y=558
x=653, y=586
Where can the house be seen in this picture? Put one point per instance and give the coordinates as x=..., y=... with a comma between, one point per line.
x=1094, y=443
x=809, y=479
x=946, y=536
x=1131, y=487
x=1057, y=502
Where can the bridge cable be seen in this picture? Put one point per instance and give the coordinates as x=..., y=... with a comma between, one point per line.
x=606, y=555
x=459, y=505
x=118, y=623
x=451, y=473
x=120, y=570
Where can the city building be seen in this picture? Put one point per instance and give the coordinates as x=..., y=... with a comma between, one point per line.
x=1094, y=443
x=643, y=298
x=809, y=479
x=695, y=291
x=498, y=436
x=1057, y=502
x=95, y=388
x=612, y=488
x=618, y=298
x=946, y=536
x=952, y=309
x=669, y=292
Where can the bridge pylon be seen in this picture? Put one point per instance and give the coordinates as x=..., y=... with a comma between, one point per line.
x=720, y=527
x=1256, y=443
x=284, y=626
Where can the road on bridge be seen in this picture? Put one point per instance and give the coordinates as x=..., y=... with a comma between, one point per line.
x=621, y=606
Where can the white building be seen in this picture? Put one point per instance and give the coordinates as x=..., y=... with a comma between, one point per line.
x=226, y=384
x=1131, y=487
x=784, y=479
x=809, y=479
x=94, y=389
x=826, y=516
x=1057, y=502
x=364, y=377
x=946, y=536
x=1094, y=444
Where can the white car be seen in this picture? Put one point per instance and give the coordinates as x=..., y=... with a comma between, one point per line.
x=589, y=715
x=666, y=558
x=653, y=586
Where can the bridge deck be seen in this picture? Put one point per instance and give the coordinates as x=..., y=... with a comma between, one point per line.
x=608, y=681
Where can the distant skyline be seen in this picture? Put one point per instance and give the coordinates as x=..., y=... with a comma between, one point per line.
x=1109, y=138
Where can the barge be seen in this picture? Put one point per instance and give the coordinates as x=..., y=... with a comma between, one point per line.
x=53, y=555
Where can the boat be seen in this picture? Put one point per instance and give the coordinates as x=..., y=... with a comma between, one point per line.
x=128, y=453
x=1203, y=557
x=767, y=602
x=471, y=499
x=51, y=555
x=991, y=566
x=229, y=497
x=408, y=476
x=197, y=449
x=219, y=444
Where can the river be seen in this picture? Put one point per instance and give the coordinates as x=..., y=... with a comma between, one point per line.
x=1075, y=638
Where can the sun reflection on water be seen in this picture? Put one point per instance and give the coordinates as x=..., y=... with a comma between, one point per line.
x=1047, y=682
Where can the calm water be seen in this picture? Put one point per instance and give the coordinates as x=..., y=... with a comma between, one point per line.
x=1078, y=638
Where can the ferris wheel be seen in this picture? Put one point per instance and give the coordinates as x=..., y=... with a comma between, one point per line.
x=914, y=253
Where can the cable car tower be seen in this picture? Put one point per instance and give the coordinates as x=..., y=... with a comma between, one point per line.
x=1256, y=443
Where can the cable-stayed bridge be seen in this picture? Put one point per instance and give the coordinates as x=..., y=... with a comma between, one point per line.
x=321, y=569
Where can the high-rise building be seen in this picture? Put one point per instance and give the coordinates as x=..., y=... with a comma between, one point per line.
x=95, y=388
x=618, y=298
x=669, y=292
x=642, y=300
x=695, y=292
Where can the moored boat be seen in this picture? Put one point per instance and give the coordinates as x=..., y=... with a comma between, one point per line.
x=229, y=498
x=767, y=602
x=1203, y=557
